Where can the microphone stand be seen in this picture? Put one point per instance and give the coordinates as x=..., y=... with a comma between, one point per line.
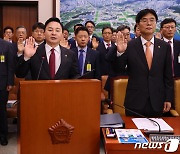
x=146, y=131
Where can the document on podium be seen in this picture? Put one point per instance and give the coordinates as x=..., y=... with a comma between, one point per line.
x=147, y=124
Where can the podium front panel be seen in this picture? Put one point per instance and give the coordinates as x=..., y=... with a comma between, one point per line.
x=44, y=103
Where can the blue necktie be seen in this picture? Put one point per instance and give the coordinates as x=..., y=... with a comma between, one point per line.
x=81, y=61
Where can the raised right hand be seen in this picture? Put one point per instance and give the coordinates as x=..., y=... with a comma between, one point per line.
x=29, y=49
x=121, y=42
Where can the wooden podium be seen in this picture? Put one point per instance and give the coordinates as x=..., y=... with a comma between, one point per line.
x=44, y=103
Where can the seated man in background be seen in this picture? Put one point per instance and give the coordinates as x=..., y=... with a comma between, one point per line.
x=49, y=61
x=87, y=57
x=38, y=33
x=168, y=29
x=125, y=30
x=72, y=41
x=8, y=34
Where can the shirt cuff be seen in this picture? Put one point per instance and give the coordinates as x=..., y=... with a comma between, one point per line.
x=119, y=54
x=26, y=58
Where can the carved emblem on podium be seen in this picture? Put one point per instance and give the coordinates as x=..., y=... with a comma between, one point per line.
x=61, y=132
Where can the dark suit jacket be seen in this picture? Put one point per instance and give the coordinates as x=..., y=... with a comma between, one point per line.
x=155, y=84
x=68, y=68
x=92, y=57
x=176, y=46
x=6, y=68
x=104, y=65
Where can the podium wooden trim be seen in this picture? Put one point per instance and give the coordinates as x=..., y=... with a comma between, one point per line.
x=44, y=103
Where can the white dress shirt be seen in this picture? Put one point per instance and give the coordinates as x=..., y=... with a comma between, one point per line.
x=57, y=52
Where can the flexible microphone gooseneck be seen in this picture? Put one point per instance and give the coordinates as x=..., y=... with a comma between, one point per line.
x=42, y=60
x=159, y=128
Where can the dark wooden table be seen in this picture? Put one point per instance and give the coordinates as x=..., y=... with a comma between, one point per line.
x=112, y=145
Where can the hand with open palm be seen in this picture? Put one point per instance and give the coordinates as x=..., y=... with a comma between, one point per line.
x=30, y=49
x=121, y=42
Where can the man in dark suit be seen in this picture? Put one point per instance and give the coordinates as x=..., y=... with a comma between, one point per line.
x=72, y=41
x=6, y=82
x=89, y=57
x=168, y=29
x=150, y=85
x=50, y=61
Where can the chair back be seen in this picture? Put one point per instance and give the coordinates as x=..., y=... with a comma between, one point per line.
x=177, y=95
x=119, y=92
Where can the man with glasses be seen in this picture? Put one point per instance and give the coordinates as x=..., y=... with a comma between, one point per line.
x=90, y=25
x=8, y=34
x=125, y=30
x=168, y=29
x=38, y=33
x=150, y=84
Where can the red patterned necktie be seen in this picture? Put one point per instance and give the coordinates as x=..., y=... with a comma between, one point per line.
x=108, y=45
x=148, y=54
x=52, y=63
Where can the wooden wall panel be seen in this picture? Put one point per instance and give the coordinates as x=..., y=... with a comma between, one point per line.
x=19, y=14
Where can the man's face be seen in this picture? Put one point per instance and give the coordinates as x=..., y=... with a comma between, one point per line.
x=53, y=33
x=82, y=38
x=137, y=32
x=147, y=24
x=168, y=30
x=66, y=34
x=107, y=35
x=90, y=28
x=126, y=34
x=8, y=33
x=21, y=33
x=38, y=35
x=113, y=39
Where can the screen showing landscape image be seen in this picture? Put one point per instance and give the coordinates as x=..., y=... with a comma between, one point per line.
x=115, y=12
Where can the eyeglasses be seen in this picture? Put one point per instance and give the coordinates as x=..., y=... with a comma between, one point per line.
x=146, y=20
x=168, y=27
x=39, y=31
x=107, y=33
x=89, y=26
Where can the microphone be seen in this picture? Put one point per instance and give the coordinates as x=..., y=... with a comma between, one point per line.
x=42, y=60
x=155, y=122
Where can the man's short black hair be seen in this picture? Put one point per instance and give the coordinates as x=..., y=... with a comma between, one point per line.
x=89, y=21
x=39, y=25
x=144, y=12
x=135, y=26
x=107, y=27
x=21, y=26
x=123, y=27
x=8, y=27
x=65, y=29
x=53, y=19
x=81, y=29
x=77, y=25
x=166, y=21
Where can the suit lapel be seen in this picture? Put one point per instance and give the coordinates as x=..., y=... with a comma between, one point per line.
x=140, y=51
x=62, y=66
x=42, y=53
x=87, y=60
x=156, y=53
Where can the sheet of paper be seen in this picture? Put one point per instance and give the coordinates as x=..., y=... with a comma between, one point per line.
x=130, y=136
x=146, y=124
